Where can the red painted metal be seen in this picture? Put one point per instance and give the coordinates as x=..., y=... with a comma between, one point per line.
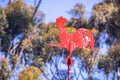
x=82, y=38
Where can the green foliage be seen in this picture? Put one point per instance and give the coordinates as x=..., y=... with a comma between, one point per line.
x=4, y=68
x=78, y=23
x=18, y=16
x=88, y=58
x=3, y=22
x=15, y=19
x=105, y=63
x=111, y=61
x=104, y=11
x=78, y=10
x=95, y=32
x=114, y=52
x=30, y=73
x=105, y=17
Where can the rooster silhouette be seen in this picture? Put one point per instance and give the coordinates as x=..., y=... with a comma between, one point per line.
x=82, y=38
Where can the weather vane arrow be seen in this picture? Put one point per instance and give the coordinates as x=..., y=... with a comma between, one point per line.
x=82, y=38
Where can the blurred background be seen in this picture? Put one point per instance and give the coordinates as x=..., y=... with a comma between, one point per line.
x=27, y=27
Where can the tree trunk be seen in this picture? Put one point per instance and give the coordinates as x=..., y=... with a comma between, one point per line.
x=89, y=76
x=113, y=76
x=106, y=76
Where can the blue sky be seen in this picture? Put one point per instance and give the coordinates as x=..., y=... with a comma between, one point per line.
x=56, y=8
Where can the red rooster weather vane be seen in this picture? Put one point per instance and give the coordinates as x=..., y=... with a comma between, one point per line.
x=82, y=38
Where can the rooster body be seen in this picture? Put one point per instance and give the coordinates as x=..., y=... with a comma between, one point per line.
x=82, y=38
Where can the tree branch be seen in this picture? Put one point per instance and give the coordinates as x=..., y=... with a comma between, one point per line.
x=9, y=2
x=36, y=9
